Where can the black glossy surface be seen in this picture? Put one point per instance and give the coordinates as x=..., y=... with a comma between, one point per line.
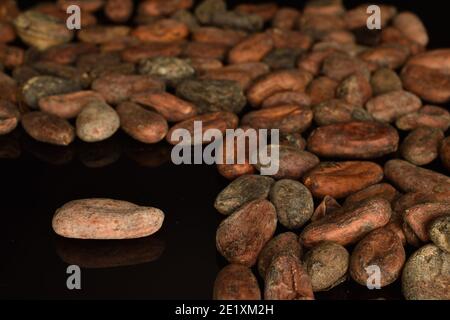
x=33, y=187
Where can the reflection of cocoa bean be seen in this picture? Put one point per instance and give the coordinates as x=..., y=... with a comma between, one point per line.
x=109, y=254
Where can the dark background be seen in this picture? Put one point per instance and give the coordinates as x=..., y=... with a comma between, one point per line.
x=43, y=178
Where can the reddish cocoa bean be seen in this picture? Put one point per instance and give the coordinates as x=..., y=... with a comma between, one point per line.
x=420, y=216
x=382, y=248
x=340, y=179
x=348, y=225
x=277, y=82
x=48, y=128
x=9, y=117
x=143, y=125
x=357, y=139
x=293, y=163
x=410, y=178
x=241, y=237
x=286, y=118
x=283, y=244
x=251, y=49
x=381, y=190
x=286, y=279
x=169, y=106
x=68, y=105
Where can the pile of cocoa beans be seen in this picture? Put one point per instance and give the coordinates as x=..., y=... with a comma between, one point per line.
x=364, y=148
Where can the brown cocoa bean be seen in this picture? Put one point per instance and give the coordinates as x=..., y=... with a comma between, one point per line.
x=293, y=163
x=381, y=248
x=439, y=232
x=390, y=106
x=9, y=117
x=169, y=106
x=242, y=235
x=119, y=10
x=149, y=50
x=285, y=18
x=106, y=219
x=41, y=31
x=410, y=178
x=277, y=82
x=428, y=116
x=356, y=139
x=116, y=88
x=68, y=105
x=349, y=224
x=412, y=27
x=141, y=124
x=286, y=118
x=163, y=7
x=420, y=216
x=421, y=146
x=164, y=30
x=322, y=89
x=286, y=279
x=48, y=128
x=338, y=111
x=103, y=34
x=251, y=49
x=339, y=66
x=225, y=37
x=44, y=86
x=283, y=244
x=340, y=179
x=385, y=80
x=236, y=282
x=381, y=190
x=385, y=56
x=355, y=90
x=215, y=120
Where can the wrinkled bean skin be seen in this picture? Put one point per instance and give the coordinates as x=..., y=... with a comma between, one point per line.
x=383, y=248
x=348, y=225
x=242, y=235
